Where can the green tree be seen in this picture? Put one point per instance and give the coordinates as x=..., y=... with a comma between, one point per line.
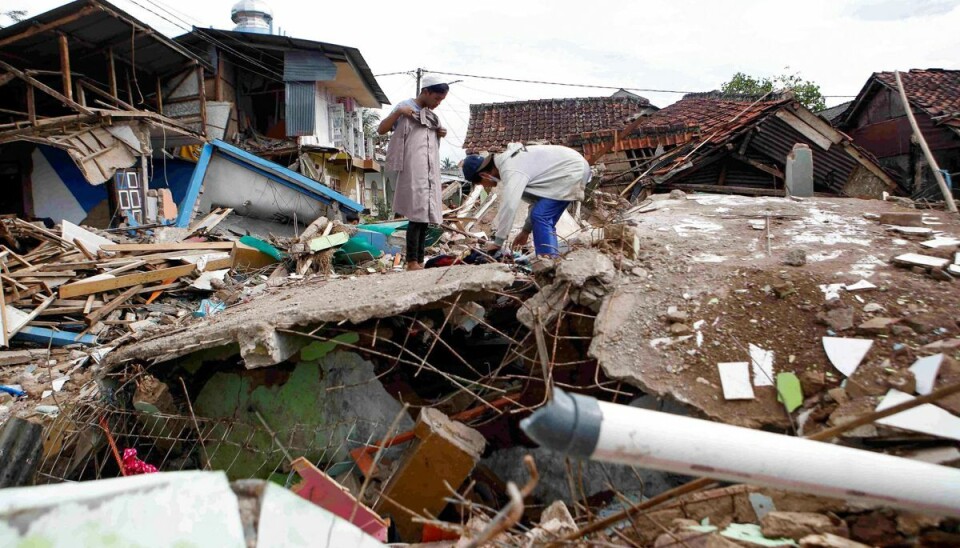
x=807, y=92
x=15, y=15
x=371, y=119
x=447, y=163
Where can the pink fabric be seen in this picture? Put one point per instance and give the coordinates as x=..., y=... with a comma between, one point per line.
x=133, y=466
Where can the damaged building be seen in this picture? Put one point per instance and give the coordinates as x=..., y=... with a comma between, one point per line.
x=84, y=114
x=296, y=102
x=877, y=121
x=243, y=362
x=734, y=144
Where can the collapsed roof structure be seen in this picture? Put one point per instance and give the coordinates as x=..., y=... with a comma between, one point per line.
x=736, y=144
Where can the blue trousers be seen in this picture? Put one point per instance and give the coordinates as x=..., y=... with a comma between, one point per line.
x=544, y=216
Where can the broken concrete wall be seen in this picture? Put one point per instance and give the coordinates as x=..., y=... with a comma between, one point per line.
x=354, y=300
x=320, y=407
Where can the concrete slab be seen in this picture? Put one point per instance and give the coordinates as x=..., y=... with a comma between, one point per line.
x=253, y=326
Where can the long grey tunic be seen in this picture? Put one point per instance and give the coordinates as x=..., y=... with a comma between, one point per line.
x=414, y=155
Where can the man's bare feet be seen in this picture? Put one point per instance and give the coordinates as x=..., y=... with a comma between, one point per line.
x=414, y=265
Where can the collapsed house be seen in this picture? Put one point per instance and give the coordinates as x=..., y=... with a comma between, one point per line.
x=388, y=404
x=877, y=121
x=296, y=102
x=104, y=130
x=735, y=144
x=83, y=91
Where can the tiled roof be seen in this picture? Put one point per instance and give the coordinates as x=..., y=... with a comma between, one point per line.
x=935, y=91
x=696, y=115
x=493, y=125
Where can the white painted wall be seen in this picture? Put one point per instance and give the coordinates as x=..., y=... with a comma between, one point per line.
x=230, y=185
x=51, y=197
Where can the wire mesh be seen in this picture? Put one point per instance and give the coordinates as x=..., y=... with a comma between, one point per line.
x=77, y=446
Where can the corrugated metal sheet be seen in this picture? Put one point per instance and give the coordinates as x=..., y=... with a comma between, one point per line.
x=831, y=168
x=301, y=108
x=307, y=66
x=21, y=445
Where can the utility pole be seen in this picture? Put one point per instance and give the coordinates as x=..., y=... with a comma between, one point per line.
x=947, y=192
x=419, y=75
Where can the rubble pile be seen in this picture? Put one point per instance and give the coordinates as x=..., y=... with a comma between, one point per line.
x=362, y=381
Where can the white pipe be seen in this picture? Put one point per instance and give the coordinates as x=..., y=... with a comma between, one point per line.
x=661, y=441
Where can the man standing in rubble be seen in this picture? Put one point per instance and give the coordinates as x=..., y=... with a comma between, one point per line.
x=413, y=163
x=550, y=177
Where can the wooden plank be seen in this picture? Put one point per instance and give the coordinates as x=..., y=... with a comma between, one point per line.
x=4, y=324
x=761, y=166
x=39, y=274
x=105, y=311
x=33, y=315
x=249, y=258
x=23, y=294
x=140, y=278
x=804, y=129
x=160, y=248
x=201, y=81
x=817, y=123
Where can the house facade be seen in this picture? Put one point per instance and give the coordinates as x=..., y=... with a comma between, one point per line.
x=877, y=121
x=294, y=101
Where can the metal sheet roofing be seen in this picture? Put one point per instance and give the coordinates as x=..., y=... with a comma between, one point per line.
x=267, y=49
x=91, y=27
x=307, y=66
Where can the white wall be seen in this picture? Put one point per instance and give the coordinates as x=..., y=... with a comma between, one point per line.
x=230, y=185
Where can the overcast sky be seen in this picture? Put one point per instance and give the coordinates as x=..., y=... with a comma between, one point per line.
x=680, y=45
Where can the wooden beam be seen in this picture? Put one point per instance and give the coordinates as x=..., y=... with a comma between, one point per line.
x=817, y=123
x=203, y=100
x=162, y=248
x=96, y=91
x=159, y=96
x=761, y=166
x=108, y=308
x=141, y=278
x=45, y=88
x=65, y=67
x=33, y=315
x=804, y=129
x=931, y=161
x=31, y=105
x=51, y=25
x=112, y=74
x=218, y=87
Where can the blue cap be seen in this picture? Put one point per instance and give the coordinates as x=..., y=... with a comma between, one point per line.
x=473, y=164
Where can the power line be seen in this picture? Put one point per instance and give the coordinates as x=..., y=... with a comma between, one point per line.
x=567, y=84
x=270, y=73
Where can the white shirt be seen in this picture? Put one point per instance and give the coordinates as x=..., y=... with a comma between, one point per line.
x=542, y=171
